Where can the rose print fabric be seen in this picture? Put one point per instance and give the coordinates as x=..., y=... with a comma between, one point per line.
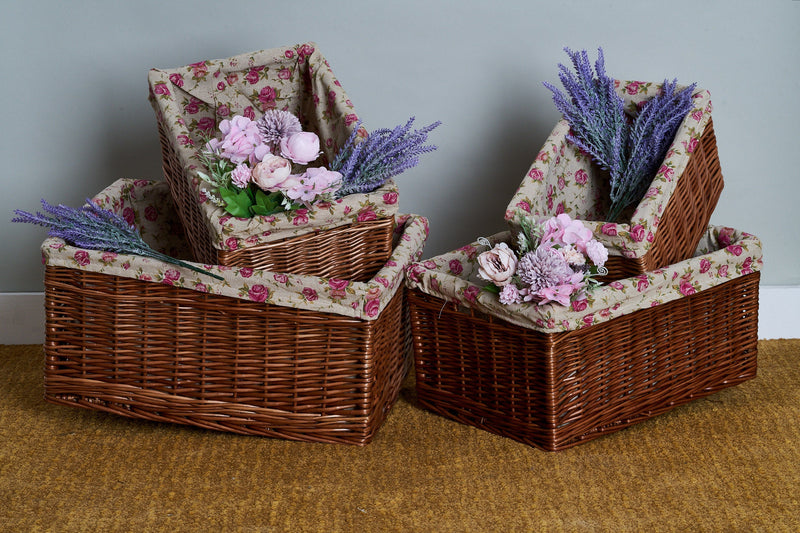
x=190, y=101
x=148, y=205
x=563, y=179
x=722, y=255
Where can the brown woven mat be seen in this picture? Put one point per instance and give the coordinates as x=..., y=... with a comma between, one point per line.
x=729, y=462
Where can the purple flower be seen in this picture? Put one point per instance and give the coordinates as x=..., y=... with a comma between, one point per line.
x=276, y=125
x=510, y=295
x=544, y=267
x=314, y=182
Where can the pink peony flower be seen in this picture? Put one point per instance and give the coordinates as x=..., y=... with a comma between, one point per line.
x=302, y=147
x=497, y=265
x=596, y=252
x=271, y=172
x=241, y=138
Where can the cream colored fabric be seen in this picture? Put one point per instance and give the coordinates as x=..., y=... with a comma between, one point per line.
x=562, y=179
x=190, y=102
x=148, y=205
x=722, y=255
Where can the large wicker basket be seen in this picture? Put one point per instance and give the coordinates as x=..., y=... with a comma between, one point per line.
x=190, y=101
x=666, y=225
x=261, y=353
x=557, y=378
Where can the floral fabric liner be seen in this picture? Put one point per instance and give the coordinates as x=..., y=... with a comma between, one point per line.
x=149, y=206
x=722, y=255
x=190, y=101
x=563, y=179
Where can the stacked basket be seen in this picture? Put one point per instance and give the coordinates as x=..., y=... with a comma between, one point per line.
x=350, y=238
x=263, y=353
x=676, y=321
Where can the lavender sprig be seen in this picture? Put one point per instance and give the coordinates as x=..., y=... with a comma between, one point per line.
x=95, y=228
x=594, y=110
x=651, y=135
x=368, y=164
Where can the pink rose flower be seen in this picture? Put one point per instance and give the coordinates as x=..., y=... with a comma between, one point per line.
x=221, y=86
x=193, y=106
x=580, y=305
x=82, y=257
x=338, y=284
x=200, y=287
x=302, y=147
x=705, y=266
x=497, y=265
x=301, y=217
x=609, y=229
x=371, y=307
x=150, y=213
x=430, y=265
x=161, y=88
x=722, y=271
x=366, y=214
x=735, y=249
x=172, y=275
x=281, y=278
x=223, y=110
x=691, y=146
x=289, y=54
x=668, y=172
x=249, y=113
x=109, y=257
x=390, y=198
x=725, y=236
x=638, y=233
x=633, y=87
x=176, y=79
x=267, y=96
x=245, y=272
x=642, y=283
x=252, y=76
x=581, y=177
x=747, y=266
x=231, y=243
x=128, y=215
x=471, y=293
x=271, y=172
x=616, y=285
x=258, y=293
x=456, y=267
x=350, y=119
x=284, y=73
x=309, y=294
x=524, y=206
x=686, y=287
x=536, y=174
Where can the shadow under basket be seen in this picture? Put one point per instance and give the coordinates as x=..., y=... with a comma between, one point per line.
x=169, y=354
x=556, y=390
x=354, y=251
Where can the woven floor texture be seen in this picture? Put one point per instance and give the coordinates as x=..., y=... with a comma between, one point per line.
x=730, y=462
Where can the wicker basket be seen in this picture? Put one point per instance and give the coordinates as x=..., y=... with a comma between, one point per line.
x=171, y=349
x=189, y=101
x=610, y=368
x=666, y=225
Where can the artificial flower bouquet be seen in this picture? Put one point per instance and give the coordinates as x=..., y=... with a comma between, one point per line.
x=265, y=154
x=635, y=161
x=556, y=260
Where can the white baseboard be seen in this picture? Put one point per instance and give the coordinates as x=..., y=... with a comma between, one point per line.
x=22, y=315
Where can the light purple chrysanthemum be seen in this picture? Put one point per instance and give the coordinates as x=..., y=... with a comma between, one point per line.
x=275, y=125
x=544, y=267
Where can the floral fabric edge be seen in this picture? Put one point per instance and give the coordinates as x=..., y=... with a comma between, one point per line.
x=561, y=177
x=723, y=254
x=147, y=205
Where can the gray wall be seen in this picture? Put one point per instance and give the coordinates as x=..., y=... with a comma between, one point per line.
x=74, y=95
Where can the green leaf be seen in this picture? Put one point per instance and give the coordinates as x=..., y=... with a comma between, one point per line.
x=237, y=202
x=267, y=203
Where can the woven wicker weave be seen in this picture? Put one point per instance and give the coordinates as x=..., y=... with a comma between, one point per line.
x=556, y=390
x=686, y=216
x=352, y=251
x=169, y=354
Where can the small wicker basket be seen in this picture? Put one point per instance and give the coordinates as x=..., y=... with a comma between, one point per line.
x=136, y=337
x=189, y=102
x=554, y=382
x=666, y=225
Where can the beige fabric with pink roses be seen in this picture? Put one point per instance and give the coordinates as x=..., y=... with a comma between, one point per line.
x=190, y=101
x=562, y=179
x=148, y=205
x=722, y=255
